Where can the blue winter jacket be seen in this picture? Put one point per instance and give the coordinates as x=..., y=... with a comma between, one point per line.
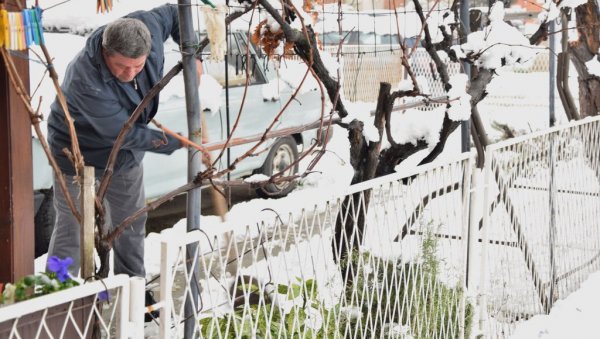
x=100, y=104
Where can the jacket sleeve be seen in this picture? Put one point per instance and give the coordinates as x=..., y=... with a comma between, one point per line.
x=166, y=19
x=106, y=117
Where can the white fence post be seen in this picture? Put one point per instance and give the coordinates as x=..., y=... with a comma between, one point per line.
x=166, y=275
x=484, y=269
x=474, y=250
x=475, y=214
x=552, y=231
x=466, y=231
x=136, y=306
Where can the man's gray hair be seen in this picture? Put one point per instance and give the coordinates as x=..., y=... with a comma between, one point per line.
x=128, y=37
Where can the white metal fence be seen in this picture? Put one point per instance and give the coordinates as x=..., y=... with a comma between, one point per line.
x=404, y=273
x=73, y=313
x=403, y=278
x=542, y=236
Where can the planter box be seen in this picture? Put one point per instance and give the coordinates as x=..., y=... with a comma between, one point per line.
x=70, y=313
x=67, y=320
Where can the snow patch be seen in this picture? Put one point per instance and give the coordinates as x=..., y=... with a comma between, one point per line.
x=370, y=132
x=573, y=317
x=256, y=178
x=414, y=125
x=270, y=90
x=593, y=66
x=499, y=44
x=460, y=109
x=292, y=72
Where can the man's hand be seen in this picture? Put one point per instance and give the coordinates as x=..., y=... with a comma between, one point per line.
x=199, y=70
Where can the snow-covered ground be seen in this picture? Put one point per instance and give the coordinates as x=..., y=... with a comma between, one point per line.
x=574, y=317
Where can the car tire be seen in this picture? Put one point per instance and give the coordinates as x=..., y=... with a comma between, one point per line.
x=283, y=153
x=44, y=222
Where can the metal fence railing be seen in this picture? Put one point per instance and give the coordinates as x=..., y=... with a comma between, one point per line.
x=389, y=258
x=292, y=277
x=542, y=237
x=75, y=312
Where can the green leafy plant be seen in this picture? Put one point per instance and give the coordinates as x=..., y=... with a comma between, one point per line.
x=408, y=295
x=260, y=317
x=39, y=284
x=382, y=296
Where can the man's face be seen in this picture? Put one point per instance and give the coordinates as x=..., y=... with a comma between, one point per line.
x=124, y=68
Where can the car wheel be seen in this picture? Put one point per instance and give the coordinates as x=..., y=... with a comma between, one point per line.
x=283, y=153
x=44, y=222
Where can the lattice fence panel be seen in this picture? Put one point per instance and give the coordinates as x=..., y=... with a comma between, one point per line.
x=543, y=224
x=399, y=275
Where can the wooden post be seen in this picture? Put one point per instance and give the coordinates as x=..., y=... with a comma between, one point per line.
x=16, y=184
x=87, y=230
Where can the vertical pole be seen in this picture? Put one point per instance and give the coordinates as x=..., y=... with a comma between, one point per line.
x=88, y=209
x=137, y=290
x=552, y=225
x=474, y=211
x=166, y=296
x=552, y=74
x=484, y=270
x=16, y=184
x=123, y=316
x=466, y=214
x=192, y=102
x=227, y=114
x=465, y=127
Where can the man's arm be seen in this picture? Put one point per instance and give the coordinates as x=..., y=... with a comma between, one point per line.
x=106, y=117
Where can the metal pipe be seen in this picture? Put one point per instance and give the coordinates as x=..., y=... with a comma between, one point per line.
x=192, y=103
x=465, y=20
x=552, y=74
x=552, y=225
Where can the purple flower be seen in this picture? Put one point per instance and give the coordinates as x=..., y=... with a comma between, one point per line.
x=60, y=267
x=103, y=296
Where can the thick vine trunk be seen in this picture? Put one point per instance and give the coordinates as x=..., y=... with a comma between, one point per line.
x=582, y=51
x=364, y=157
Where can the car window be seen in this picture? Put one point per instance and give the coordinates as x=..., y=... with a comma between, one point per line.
x=331, y=38
x=240, y=55
x=363, y=38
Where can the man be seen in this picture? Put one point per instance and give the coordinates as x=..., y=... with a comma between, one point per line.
x=103, y=85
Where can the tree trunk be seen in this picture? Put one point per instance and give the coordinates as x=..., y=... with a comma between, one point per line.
x=582, y=51
x=364, y=157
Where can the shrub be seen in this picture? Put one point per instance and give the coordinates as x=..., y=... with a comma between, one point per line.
x=405, y=297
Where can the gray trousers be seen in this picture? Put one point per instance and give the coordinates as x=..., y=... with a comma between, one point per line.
x=125, y=196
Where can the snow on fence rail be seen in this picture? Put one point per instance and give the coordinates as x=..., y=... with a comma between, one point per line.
x=542, y=237
x=287, y=277
x=72, y=313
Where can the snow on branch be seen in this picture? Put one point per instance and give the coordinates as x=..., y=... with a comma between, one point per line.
x=499, y=44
